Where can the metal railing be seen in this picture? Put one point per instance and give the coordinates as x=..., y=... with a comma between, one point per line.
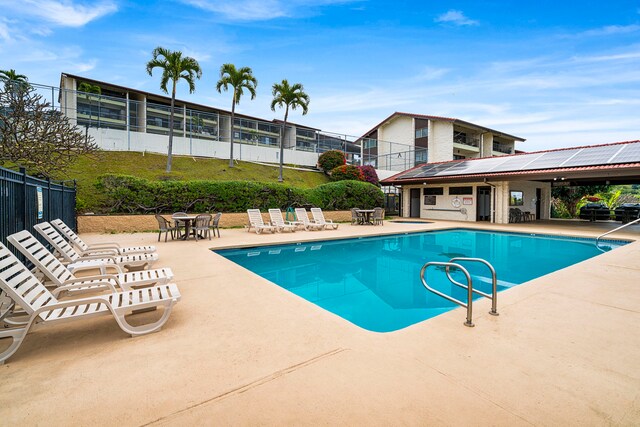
x=469, y=286
x=614, y=230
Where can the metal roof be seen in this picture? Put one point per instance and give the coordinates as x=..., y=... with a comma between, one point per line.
x=595, y=157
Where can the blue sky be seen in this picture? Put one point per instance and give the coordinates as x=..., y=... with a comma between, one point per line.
x=558, y=73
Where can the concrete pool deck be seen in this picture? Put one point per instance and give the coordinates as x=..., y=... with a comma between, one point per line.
x=238, y=349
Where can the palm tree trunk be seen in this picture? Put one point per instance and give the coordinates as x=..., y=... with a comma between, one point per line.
x=284, y=131
x=233, y=122
x=170, y=154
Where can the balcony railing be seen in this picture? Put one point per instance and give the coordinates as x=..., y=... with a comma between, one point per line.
x=502, y=148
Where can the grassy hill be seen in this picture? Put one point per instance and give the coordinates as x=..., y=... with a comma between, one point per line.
x=152, y=166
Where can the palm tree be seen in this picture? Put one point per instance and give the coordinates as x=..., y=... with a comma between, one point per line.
x=174, y=67
x=238, y=79
x=288, y=96
x=19, y=81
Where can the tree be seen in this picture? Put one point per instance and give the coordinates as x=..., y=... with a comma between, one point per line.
x=174, y=67
x=89, y=88
x=35, y=135
x=570, y=196
x=292, y=97
x=10, y=76
x=330, y=160
x=238, y=79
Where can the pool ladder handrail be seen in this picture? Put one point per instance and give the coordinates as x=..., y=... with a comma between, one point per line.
x=614, y=230
x=469, y=287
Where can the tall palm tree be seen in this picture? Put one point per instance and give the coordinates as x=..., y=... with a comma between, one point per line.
x=12, y=76
x=174, y=67
x=288, y=96
x=238, y=79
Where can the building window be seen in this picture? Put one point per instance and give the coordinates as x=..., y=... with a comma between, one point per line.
x=421, y=156
x=458, y=157
x=460, y=190
x=422, y=132
x=433, y=191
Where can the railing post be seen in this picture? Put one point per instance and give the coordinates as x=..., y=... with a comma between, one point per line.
x=49, y=199
x=23, y=172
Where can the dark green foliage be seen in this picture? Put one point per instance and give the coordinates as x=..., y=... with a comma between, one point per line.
x=347, y=172
x=370, y=175
x=344, y=195
x=330, y=160
x=127, y=194
x=570, y=196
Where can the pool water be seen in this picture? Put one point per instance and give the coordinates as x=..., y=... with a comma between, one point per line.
x=374, y=282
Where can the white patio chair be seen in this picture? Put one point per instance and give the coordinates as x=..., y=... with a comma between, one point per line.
x=43, y=308
x=301, y=215
x=83, y=247
x=65, y=280
x=97, y=260
x=276, y=219
x=256, y=222
x=318, y=218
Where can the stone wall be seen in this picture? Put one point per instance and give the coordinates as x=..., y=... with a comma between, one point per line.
x=140, y=223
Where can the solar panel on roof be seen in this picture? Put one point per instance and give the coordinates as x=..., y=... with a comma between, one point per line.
x=552, y=159
x=593, y=156
x=630, y=154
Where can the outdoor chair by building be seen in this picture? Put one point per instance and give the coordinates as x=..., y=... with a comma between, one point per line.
x=165, y=226
x=215, y=225
x=83, y=247
x=318, y=218
x=202, y=226
x=179, y=225
x=378, y=216
x=256, y=222
x=356, y=216
x=65, y=280
x=276, y=219
x=42, y=307
x=301, y=215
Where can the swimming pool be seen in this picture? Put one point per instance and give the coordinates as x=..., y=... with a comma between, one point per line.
x=374, y=282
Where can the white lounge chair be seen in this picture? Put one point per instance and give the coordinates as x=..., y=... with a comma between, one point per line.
x=65, y=280
x=84, y=248
x=74, y=261
x=318, y=218
x=301, y=215
x=41, y=307
x=256, y=222
x=276, y=219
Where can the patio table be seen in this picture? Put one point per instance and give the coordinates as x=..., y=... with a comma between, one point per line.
x=187, y=219
x=366, y=215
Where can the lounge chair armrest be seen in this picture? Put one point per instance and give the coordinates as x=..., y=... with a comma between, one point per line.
x=107, y=245
x=102, y=284
x=79, y=268
x=108, y=252
x=72, y=303
x=99, y=277
x=96, y=256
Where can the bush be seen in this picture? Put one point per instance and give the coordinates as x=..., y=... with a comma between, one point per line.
x=128, y=194
x=347, y=172
x=330, y=160
x=344, y=195
x=370, y=175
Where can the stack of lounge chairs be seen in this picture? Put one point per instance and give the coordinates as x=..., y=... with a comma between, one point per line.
x=278, y=224
x=32, y=297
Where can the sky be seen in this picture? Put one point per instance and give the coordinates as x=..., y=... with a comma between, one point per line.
x=557, y=73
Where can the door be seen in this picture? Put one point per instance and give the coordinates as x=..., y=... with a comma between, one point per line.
x=483, y=212
x=414, y=203
x=538, y=202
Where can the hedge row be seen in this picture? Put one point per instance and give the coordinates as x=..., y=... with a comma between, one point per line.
x=128, y=194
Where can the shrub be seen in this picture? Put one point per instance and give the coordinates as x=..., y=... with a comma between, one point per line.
x=370, y=175
x=127, y=194
x=344, y=195
x=347, y=172
x=330, y=160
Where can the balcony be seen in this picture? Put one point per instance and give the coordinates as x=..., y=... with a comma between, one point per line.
x=466, y=142
x=502, y=148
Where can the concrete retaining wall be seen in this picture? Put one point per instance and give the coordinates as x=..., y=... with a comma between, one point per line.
x=140, y=223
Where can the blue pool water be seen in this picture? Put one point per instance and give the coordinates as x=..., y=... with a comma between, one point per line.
x=374, y=282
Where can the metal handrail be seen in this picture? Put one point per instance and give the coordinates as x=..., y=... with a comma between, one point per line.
x=614, y=230
x=494, y=282
x=469, y=287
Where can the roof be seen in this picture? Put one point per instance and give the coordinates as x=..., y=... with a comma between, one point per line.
x=540, y=164
x=444, y=119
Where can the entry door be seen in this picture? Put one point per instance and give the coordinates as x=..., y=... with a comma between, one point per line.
x=538, y=202
x=414, y=203
x=484, y=204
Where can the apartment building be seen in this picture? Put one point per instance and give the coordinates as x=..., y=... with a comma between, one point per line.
x=122, y=118
x=438, y=139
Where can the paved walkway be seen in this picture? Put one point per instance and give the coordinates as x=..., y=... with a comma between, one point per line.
x=237, y=349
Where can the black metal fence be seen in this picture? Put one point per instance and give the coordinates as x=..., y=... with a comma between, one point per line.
x=26, y=201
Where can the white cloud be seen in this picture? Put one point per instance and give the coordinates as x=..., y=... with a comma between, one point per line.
x=262, y=10
x=431, y=73
x=4, y=31
x=611, y=30
x=64, y=13
x=455, y=17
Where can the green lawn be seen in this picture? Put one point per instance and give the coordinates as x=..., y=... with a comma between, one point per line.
x=152, y=166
